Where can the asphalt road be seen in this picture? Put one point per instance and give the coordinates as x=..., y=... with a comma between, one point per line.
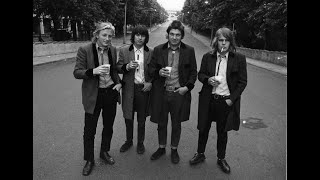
x=256, y=151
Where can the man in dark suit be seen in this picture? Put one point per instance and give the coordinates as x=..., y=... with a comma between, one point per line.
x=95, y=64
x=174, y=69
x=223, y=73
x=133, y=64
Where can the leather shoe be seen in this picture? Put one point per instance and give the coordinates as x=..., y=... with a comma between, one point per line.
x=87, y=168
x=156, y=155
x=224, y=165
x=105, y=156
x=174, y=156
x=140, y=148
x=125, y=146
x=197, y=158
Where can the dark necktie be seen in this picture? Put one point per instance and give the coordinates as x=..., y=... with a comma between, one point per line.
x=220, y=57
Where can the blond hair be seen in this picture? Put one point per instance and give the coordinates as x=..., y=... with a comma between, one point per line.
x=102, y=26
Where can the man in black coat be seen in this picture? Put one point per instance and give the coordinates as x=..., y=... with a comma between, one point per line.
x=174, y=70
x=223, y=73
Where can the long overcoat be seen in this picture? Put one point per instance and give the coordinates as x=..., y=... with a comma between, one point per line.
x=236, y=80
x=126, y=54
x=187, y=69
x=86, y=61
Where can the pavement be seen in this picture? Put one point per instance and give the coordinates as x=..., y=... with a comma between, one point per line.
x=118, y=42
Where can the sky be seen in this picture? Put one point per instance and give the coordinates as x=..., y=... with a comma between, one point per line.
x=175, y=5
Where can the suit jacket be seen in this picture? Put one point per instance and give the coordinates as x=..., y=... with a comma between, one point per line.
x=86, y=61
x=187, y=69
x=236, y=81
x=126, y=54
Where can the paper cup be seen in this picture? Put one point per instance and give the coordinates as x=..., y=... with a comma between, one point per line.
x=108, y=68
x=218, y=78
x=169, y=69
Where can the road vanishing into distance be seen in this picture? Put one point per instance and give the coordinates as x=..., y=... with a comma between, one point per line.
x=256, y=151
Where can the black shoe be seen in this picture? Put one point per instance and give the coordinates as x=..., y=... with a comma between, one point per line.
x=197, y=158
x=224, y=165
x=126, y=146
x=158, y=153
x=174, y=156
x=140, y=148
x=87, y=168
x=105, y=156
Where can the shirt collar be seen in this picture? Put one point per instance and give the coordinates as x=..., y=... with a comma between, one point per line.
x=136, y=49
x=97, y=47
x=227, y=54
x=169, y=47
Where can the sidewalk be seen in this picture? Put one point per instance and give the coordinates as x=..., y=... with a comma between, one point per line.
x=118, y=42
x=272, y=67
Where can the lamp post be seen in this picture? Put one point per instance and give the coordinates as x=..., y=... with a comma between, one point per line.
x=125, y=23
x=151, y=10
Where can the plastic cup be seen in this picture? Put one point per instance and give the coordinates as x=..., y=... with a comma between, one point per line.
x=218, y=78
x=108, y=68
x=169, y=69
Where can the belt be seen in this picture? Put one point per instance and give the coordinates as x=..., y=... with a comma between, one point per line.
x=103, y=89
x=217, y=96
x=171, y=88
x=138, y=85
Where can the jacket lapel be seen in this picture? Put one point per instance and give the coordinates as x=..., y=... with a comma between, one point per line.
x=165, y=54
x=146, y=60
x=230, y=63
x=181, y=53
x=131, y=55
x=213, y=63
x=95, y=55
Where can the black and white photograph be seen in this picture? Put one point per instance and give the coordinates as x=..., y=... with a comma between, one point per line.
x=160, y=89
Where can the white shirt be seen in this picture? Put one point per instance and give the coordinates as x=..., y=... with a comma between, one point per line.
x=139, y=73
x=222, y=88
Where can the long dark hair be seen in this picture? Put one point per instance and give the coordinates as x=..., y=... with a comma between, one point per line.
x=228, y=34
x=140, y=29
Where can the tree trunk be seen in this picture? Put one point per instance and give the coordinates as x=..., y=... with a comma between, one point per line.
x=74, y=29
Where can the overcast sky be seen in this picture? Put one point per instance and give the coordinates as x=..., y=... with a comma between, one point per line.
x=171, y=4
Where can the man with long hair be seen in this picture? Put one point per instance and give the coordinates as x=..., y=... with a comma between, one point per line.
x=223, y=73
x=133, y=64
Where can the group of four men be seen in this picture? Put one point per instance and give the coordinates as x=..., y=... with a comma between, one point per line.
x=157, y=82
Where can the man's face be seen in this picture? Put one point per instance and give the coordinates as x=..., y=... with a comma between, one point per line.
x=139, y=40
x=174, y=37
x=104, y=37
x=223, y=43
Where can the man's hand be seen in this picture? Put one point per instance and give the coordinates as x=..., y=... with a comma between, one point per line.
x=117, y=87
x=181, y=90
x=147, y=86
x=164, y=72
x=229, y=102
x=213, y=82
x=132, y=65
x=100, y=70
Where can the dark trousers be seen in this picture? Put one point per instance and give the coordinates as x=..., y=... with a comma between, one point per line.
x=107, y=101
x=172, y=104
x=218, y=112
x=140, y=103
